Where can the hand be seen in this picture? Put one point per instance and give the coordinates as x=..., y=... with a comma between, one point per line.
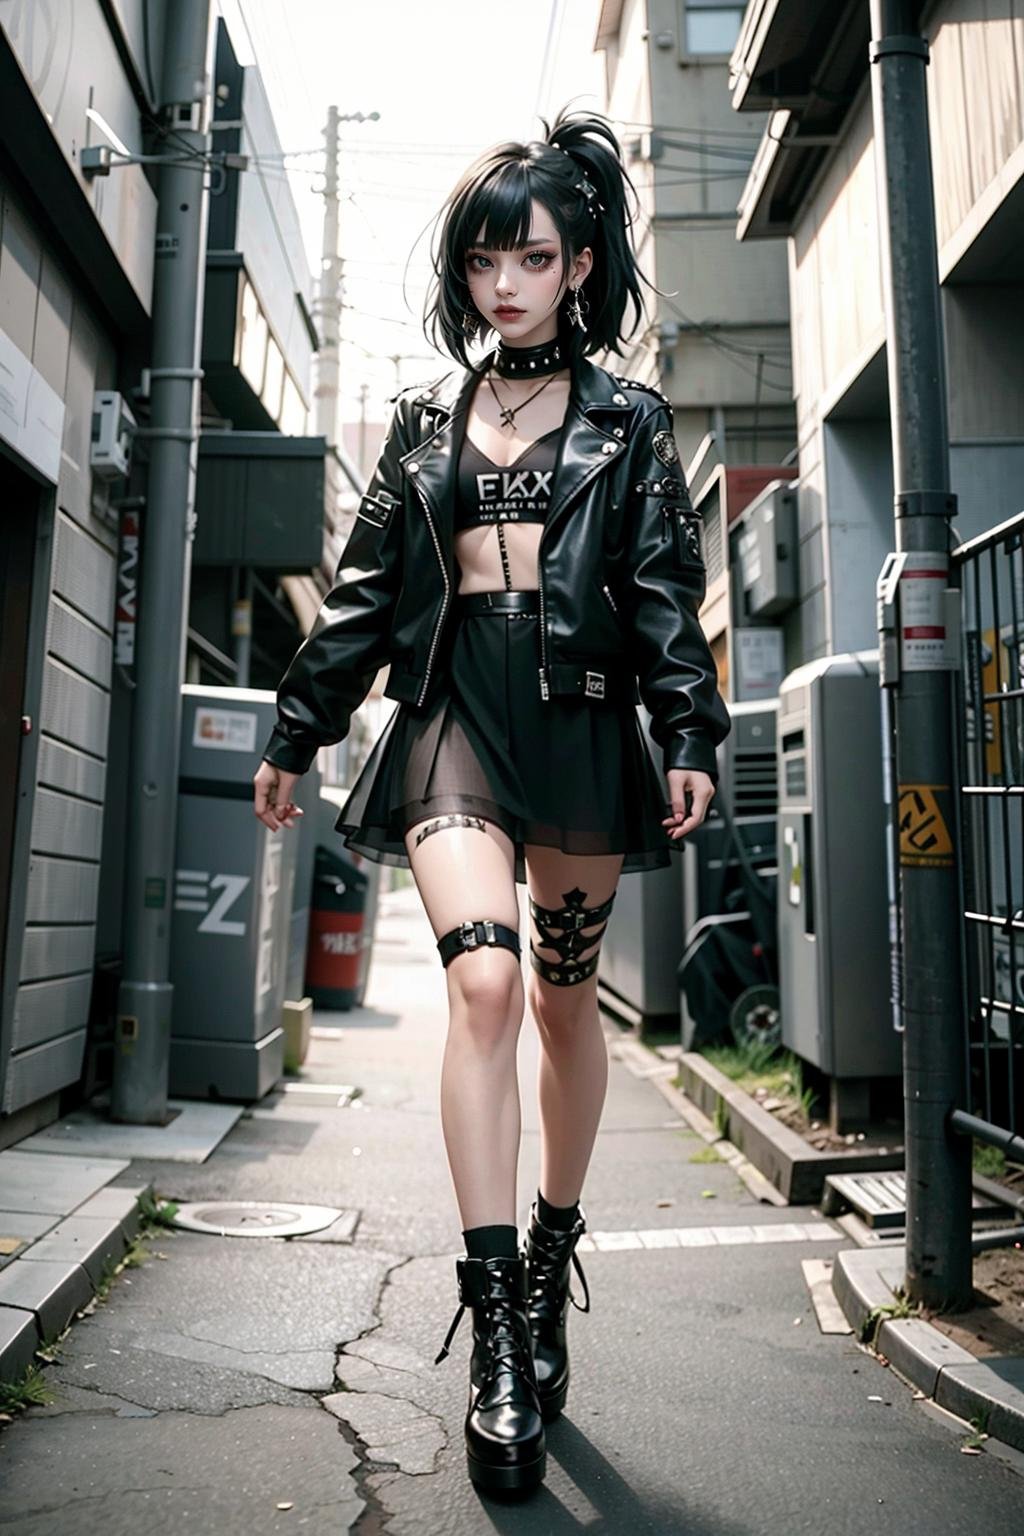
x=274, y=805
x=703, y=788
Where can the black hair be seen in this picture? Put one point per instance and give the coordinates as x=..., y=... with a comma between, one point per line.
x=577, y=172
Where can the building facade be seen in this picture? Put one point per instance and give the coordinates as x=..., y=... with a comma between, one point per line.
x=77, y=256
x=813, y=192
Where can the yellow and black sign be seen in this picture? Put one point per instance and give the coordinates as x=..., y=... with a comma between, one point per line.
x=924, y=822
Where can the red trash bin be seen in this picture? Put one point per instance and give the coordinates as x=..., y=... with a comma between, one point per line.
x=337, y=931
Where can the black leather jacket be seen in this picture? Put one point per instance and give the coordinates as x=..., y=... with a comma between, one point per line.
x=620, y=574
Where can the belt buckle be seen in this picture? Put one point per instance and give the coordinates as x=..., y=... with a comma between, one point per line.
x=467, y=932
x=595, y=685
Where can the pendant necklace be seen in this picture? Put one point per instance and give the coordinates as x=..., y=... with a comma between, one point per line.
x=510, y=412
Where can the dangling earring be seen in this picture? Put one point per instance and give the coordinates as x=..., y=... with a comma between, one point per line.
x=470, y=323
x=575, y=310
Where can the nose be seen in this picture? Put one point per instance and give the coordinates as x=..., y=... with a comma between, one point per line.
x=503, y=286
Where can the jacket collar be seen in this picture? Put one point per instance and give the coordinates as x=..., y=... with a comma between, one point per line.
x=594, y=396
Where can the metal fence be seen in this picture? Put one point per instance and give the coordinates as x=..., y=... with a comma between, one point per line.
x=991, y=806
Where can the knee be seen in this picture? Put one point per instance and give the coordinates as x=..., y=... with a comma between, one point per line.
x=485, y=983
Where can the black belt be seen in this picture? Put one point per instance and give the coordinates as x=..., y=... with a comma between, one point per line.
x=523, y=600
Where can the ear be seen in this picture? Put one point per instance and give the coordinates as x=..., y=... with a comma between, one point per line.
x=582, y=265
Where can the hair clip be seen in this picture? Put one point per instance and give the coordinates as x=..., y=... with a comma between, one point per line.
x=589, y=193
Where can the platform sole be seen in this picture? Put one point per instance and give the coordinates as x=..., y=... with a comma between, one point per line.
x=519, y=1479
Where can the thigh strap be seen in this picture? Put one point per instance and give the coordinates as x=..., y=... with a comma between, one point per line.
x=471, y=934
x=568, y=941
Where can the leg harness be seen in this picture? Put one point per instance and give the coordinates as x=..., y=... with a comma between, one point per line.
x=567, y=971
x=470, y=934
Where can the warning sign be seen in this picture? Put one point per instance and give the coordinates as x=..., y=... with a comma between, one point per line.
x=924, y=823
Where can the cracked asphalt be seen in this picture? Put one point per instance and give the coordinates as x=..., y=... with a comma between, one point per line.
x=263, y=1385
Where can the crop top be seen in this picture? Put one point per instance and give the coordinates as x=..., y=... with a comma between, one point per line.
x=515, y=493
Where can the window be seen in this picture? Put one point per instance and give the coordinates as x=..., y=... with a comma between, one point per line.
x=709, y=27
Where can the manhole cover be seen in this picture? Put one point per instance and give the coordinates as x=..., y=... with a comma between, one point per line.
x=254, y=1218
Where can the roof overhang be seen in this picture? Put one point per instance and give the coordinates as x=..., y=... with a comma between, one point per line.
x=803, y=64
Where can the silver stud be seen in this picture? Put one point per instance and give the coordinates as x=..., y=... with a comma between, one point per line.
x=608, y=447
x=533, y=365
x=619, y=399
x=617, y=431
x=656, y=486
x=413, y=467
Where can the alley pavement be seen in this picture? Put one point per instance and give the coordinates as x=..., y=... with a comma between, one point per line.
x=266, y=1385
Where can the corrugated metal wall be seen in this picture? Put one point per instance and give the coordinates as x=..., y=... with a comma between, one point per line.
x=56, y=874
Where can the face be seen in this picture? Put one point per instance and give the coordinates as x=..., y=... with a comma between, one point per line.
x=518, y=292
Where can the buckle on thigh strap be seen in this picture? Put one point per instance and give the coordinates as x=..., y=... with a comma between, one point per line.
x=472, y=933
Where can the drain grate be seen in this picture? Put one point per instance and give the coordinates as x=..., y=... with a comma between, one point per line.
x=255, y=1218
x=880, y=1199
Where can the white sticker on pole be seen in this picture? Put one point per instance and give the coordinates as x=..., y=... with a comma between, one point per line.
x=225, y=730
x=922, y=608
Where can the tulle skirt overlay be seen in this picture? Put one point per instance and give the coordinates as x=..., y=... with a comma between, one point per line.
x=569, y=772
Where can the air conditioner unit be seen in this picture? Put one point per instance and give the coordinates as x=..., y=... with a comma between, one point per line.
x=113, y=427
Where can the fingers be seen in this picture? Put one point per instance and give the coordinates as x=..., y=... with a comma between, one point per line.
x=701, y=789
x=272, y=790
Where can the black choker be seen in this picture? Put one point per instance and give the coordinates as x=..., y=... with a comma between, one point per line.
x=528, y=362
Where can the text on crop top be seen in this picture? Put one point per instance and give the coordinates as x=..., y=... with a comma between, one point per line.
x=515, y=493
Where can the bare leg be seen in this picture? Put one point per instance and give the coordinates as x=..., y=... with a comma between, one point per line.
x=572, y=1078
x=467, y=871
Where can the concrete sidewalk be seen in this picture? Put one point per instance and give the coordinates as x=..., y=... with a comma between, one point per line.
x=260, y=1385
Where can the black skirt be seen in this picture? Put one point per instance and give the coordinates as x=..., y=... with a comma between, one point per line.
x=569, y=772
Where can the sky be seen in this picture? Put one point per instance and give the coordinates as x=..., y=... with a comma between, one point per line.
x=449, y=78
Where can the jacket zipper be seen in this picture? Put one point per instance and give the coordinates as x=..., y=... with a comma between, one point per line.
x=444, y=601
x=543, y=668
x=607, y=592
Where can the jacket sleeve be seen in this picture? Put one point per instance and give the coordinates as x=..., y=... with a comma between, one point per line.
x=333, y=669
x=665, y=584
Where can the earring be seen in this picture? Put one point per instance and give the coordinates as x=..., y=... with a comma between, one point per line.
x=470, y=323
x=575, y=310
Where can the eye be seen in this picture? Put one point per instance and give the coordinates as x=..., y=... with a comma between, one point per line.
x=544, y=259
x=474, y=258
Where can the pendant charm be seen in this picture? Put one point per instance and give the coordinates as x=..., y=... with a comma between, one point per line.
x=664, y=446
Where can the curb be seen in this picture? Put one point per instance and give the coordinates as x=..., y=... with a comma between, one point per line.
x=43, y=1288
x=992, y=1388
x=796, y=1170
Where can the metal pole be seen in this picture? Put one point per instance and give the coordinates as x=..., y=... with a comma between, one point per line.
x=142, y=1041
x=328, y=306
x=938, y=1172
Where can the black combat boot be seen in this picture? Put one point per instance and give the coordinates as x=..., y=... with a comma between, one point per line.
x=505, y=1445
x=548, y=1252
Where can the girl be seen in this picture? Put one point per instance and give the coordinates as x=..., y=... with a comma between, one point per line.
x=527, y=560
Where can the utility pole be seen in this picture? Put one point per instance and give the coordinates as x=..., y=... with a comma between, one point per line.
x=916, y=670
x=143, y=1033
x=364, y=392
x=327, y=310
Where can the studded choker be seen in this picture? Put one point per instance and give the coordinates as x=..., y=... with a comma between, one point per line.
x=528, y=362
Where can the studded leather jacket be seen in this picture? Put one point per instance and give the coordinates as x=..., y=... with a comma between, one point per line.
x=619, y=570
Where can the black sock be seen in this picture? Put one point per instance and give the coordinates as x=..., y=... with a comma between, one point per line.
x=561, y=1217
x=498, y=1241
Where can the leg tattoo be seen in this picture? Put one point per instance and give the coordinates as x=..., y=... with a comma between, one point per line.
x=453, y=819
x=567, y=971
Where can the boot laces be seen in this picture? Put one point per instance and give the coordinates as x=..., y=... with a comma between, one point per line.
x=503, y=1339
x=546, y=1261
